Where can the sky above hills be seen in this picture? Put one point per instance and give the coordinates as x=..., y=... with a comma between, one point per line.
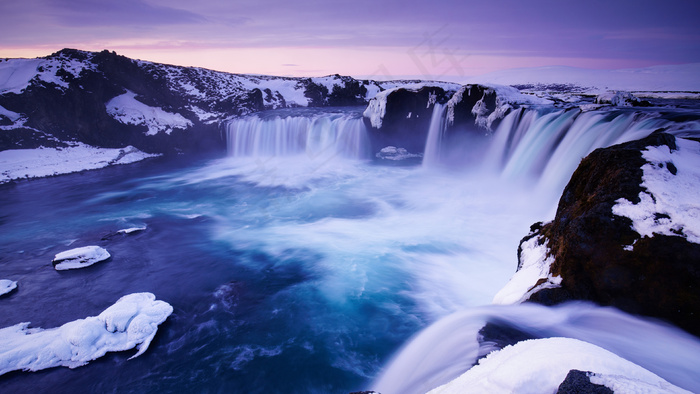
x=381, y=39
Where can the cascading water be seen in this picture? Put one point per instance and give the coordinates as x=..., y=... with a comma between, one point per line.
x=449, y=347
x=287, y=276
x=304, y=131
x=545, y=145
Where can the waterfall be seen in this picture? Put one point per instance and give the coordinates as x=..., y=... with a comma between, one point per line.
x=303, y=131
x=435, y=132
x=449, y=347
x=543, y=146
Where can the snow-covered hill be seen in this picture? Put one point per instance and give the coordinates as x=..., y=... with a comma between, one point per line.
x=109, y=101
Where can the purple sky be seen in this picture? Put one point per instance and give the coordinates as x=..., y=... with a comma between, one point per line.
x=439, y=39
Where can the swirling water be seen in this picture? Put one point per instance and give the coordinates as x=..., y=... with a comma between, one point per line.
x=289, y=271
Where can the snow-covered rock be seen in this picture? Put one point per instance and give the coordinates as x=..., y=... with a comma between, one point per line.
x=626, y=234
x=7, y=286
x=541, y=365
x=620, y=99
x=376, y=109
x=670, y=201
x=533, y=274
x=483, y=105
x=131, y=322
x=80, y=257
x=394, y=153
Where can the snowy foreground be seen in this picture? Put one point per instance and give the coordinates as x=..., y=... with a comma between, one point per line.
x=36, y=163
x=131, y=322
x=540, y=365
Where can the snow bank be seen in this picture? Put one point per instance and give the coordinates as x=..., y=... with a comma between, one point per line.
x=671, y=203
x=7, y=286
x=535, y=268
x=540, y=365
x=79, y=257
x=34, y=163
x=131, y=322
x=126, y=109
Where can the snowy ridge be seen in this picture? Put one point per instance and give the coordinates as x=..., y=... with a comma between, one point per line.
x=131, y=322
x=671, y=203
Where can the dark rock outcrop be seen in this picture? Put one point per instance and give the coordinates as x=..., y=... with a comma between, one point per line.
x=474, y=109
x=579, y=382
x=601, y=258
x=400, y=117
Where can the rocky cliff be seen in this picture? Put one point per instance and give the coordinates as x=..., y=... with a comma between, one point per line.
x=107, y=100
x=626, y=234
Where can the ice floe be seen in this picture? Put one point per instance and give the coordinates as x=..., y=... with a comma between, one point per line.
x=7, y=286
x=80, y=257
x=131, y=322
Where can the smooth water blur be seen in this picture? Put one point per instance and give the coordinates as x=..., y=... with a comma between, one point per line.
x=449, y=347
x=286, y=274
x=294, y=265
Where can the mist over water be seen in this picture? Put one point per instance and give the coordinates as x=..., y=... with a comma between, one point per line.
x=297, y=263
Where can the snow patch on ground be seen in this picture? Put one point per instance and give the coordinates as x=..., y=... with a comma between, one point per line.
x=394, y=153
x=541, y=365
x=671, y=203
x=535, y=268
x=7, y=286
x=131, y=322
x=34, y=163
x=126, y=109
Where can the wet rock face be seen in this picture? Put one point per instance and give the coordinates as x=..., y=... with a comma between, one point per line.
x=601, y=258
x=580, y=382
x=406, y=118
